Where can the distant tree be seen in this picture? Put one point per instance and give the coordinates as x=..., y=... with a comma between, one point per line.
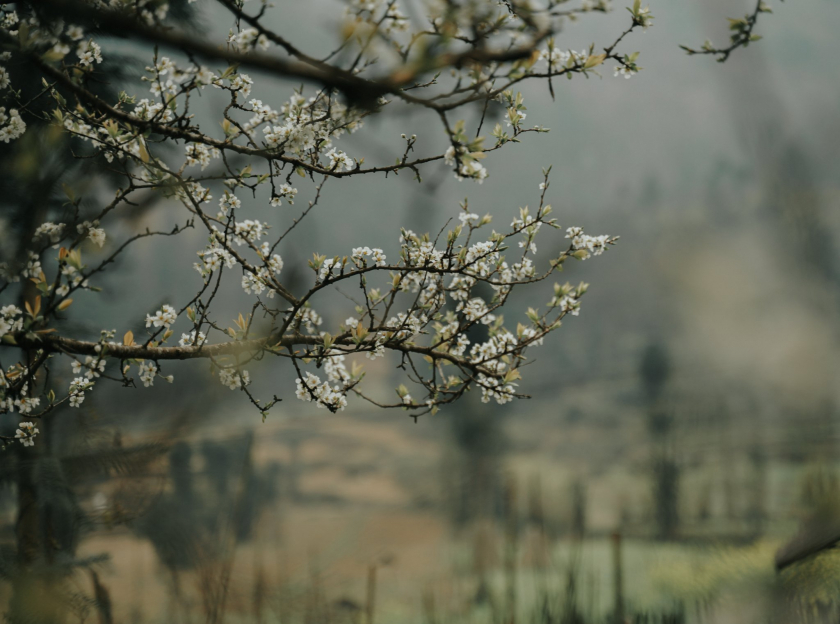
x=474, y=473
x=655, y=370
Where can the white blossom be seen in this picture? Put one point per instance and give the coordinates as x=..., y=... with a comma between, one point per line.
x=164, y=317
x=93, y=367
x=148, y=372
x=97, y=235
x=284, y=191
x=233, y=378
x=249, y=231
x=492, y=388
x=77, y=390
x=75, y=32
x=623, y=70
x=596, y=245
x=200, y=154
x=89, y=53
x=11, y=125
x=339, y=159
x=26, y=433
x=360, y=255
x=311, y=388
x=53, y=231
x=309, y=318
x=192, y=339
x=25, y=405
x=10, y=319
x=476, y=310
x=468, y=218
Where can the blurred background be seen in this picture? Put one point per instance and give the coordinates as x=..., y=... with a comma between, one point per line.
x=680, y=432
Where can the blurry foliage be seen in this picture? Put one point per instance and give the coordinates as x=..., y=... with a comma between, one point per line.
x=814, y=584
x=701, y=578
x=474, y=485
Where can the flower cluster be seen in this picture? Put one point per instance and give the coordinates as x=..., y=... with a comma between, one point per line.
x=10, y=319
x=16, y=377
x=148, y=371
x=339, y=160
x=214, y=257
x=248, y=39
x=311, y=388
x=97, y=235
x=228, y=202
x=556, y=57
x=249, y=231
x=405, y=325
x=33, y=266
x=496, y=389
x=468, y=218
x=233, y=378
x=93, y=366
x=335, y=368
x=168, y=78
x=26, y=433
x=256, y=283
x=200, y=154
x=476, y=310
x=309, y=127
x=53, y=231
x=309, y=318
x=433, y=275
x=283, y=191
x=567, y=298
x=361, y=254
x=164, y=317
x=12, y=125
x=89, y=53
x=25, y=404
x=77, y=390
x=469, y=165
x=623, y=70
x=585, y=244
x=192, y=339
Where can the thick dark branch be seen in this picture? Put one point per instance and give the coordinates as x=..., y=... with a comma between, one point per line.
x=118, y=24
x=360, y=90
x=57, y=344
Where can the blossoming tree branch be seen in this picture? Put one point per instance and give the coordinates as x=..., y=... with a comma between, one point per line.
x=421, y=306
